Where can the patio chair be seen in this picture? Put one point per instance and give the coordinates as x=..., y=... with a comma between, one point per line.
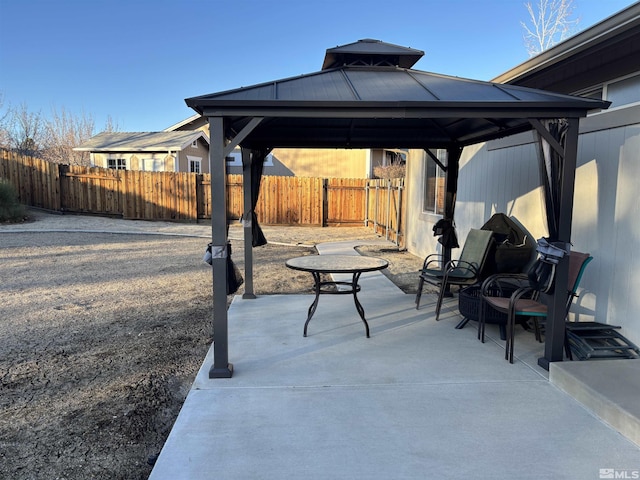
x=525, y=301
x=464, y=271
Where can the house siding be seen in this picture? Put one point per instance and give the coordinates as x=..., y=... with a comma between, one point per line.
x=314, y=162
x=201, y=151
x=158, y=161
x=502, y=176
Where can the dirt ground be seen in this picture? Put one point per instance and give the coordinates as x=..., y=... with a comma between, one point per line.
x=101, y=336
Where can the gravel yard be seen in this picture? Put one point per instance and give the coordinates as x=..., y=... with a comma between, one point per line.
x=102, y=334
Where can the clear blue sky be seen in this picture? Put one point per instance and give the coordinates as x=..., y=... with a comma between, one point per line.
x=137, y=60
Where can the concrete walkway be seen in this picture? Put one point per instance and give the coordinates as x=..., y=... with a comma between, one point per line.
x=417, y=400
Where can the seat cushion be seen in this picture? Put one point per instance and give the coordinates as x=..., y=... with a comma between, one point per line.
x=524, y=306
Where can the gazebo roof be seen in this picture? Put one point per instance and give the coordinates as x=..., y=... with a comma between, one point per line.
x=371, y=104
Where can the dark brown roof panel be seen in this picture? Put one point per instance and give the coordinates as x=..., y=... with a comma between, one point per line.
x=371, y=52
x=368, y=106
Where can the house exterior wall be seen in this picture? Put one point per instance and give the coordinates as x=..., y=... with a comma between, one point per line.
x=312, y=162
x=158, y=161
x=309, y=162
x=149, y=161
x=189, y=152
x=502, y=176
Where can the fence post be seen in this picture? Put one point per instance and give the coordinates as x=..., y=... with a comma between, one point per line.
x=375, y=207
x=325, y=202
x=398, y=210
x=387, y=219
x=366, y=203
x=63, y=169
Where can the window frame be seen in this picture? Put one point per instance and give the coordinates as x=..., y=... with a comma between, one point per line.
x=118, y=163
x=433, y=190
x=192, y=163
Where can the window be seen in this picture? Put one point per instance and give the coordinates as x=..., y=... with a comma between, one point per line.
x=621, y=91
x=624, y=92
x=117, y=163
x=433, y=201
x=195, y=164
x=235, y=159
x=395, y=157
x=152, y=164
x=194, y=144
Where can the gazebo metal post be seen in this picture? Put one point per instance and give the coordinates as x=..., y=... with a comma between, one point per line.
x=451, y=191
x=247, y=220
x=555, y=327
x=221, y=367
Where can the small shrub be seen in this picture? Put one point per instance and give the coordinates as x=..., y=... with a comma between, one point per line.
x=390, y=171
x=10, y=208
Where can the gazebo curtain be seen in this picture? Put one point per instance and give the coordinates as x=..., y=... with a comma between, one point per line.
x=234, y=277
x=257, y=166
x=551, y=168
x=446, y=226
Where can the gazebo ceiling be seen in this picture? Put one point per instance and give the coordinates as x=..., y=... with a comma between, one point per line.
x=362, y=105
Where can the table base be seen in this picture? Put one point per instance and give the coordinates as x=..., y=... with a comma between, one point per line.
x=320, y=288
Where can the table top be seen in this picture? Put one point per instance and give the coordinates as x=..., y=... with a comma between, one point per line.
x=337, y=263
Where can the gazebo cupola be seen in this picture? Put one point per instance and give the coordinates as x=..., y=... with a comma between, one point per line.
x=371, y=53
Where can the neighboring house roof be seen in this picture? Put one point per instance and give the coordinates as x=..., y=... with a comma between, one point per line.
x=141, y=141
x=194, y=122
x=609, y=49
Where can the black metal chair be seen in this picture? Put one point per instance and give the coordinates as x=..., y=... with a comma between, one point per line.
x=525, y=302
x=464, y=271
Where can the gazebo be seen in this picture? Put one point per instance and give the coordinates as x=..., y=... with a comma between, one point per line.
x=368, y=96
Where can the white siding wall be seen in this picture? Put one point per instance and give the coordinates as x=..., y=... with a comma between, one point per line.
x=502, y=176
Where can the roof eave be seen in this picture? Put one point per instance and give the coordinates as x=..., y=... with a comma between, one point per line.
x=609, y=27
x=569, y=108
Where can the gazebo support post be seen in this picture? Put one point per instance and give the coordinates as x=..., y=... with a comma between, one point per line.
x=221, y=367
x=450, y=193
x=247, y=219
x=555, y=327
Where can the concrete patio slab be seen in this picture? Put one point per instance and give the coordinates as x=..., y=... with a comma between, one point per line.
x=418, y=399
x=609, y=388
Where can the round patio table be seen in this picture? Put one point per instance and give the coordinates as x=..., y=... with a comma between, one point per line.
x=350, y=264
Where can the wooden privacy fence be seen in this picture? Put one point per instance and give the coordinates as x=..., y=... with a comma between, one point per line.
x=187, y=196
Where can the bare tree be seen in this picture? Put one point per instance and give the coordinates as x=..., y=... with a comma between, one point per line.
x=25, y=131
x=52, y=138
x=63, y=132
x=550, y=23
x=110, y=125
x=5, y=114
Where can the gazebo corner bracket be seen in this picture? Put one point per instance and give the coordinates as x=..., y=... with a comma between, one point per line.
x=544, y=133
x=244, y=133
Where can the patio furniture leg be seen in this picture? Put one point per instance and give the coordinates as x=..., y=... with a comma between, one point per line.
x=419, y=294
x=443, y=287
x=359, y=308
x=462, y=324
x=314, y=305
x=481, y=322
